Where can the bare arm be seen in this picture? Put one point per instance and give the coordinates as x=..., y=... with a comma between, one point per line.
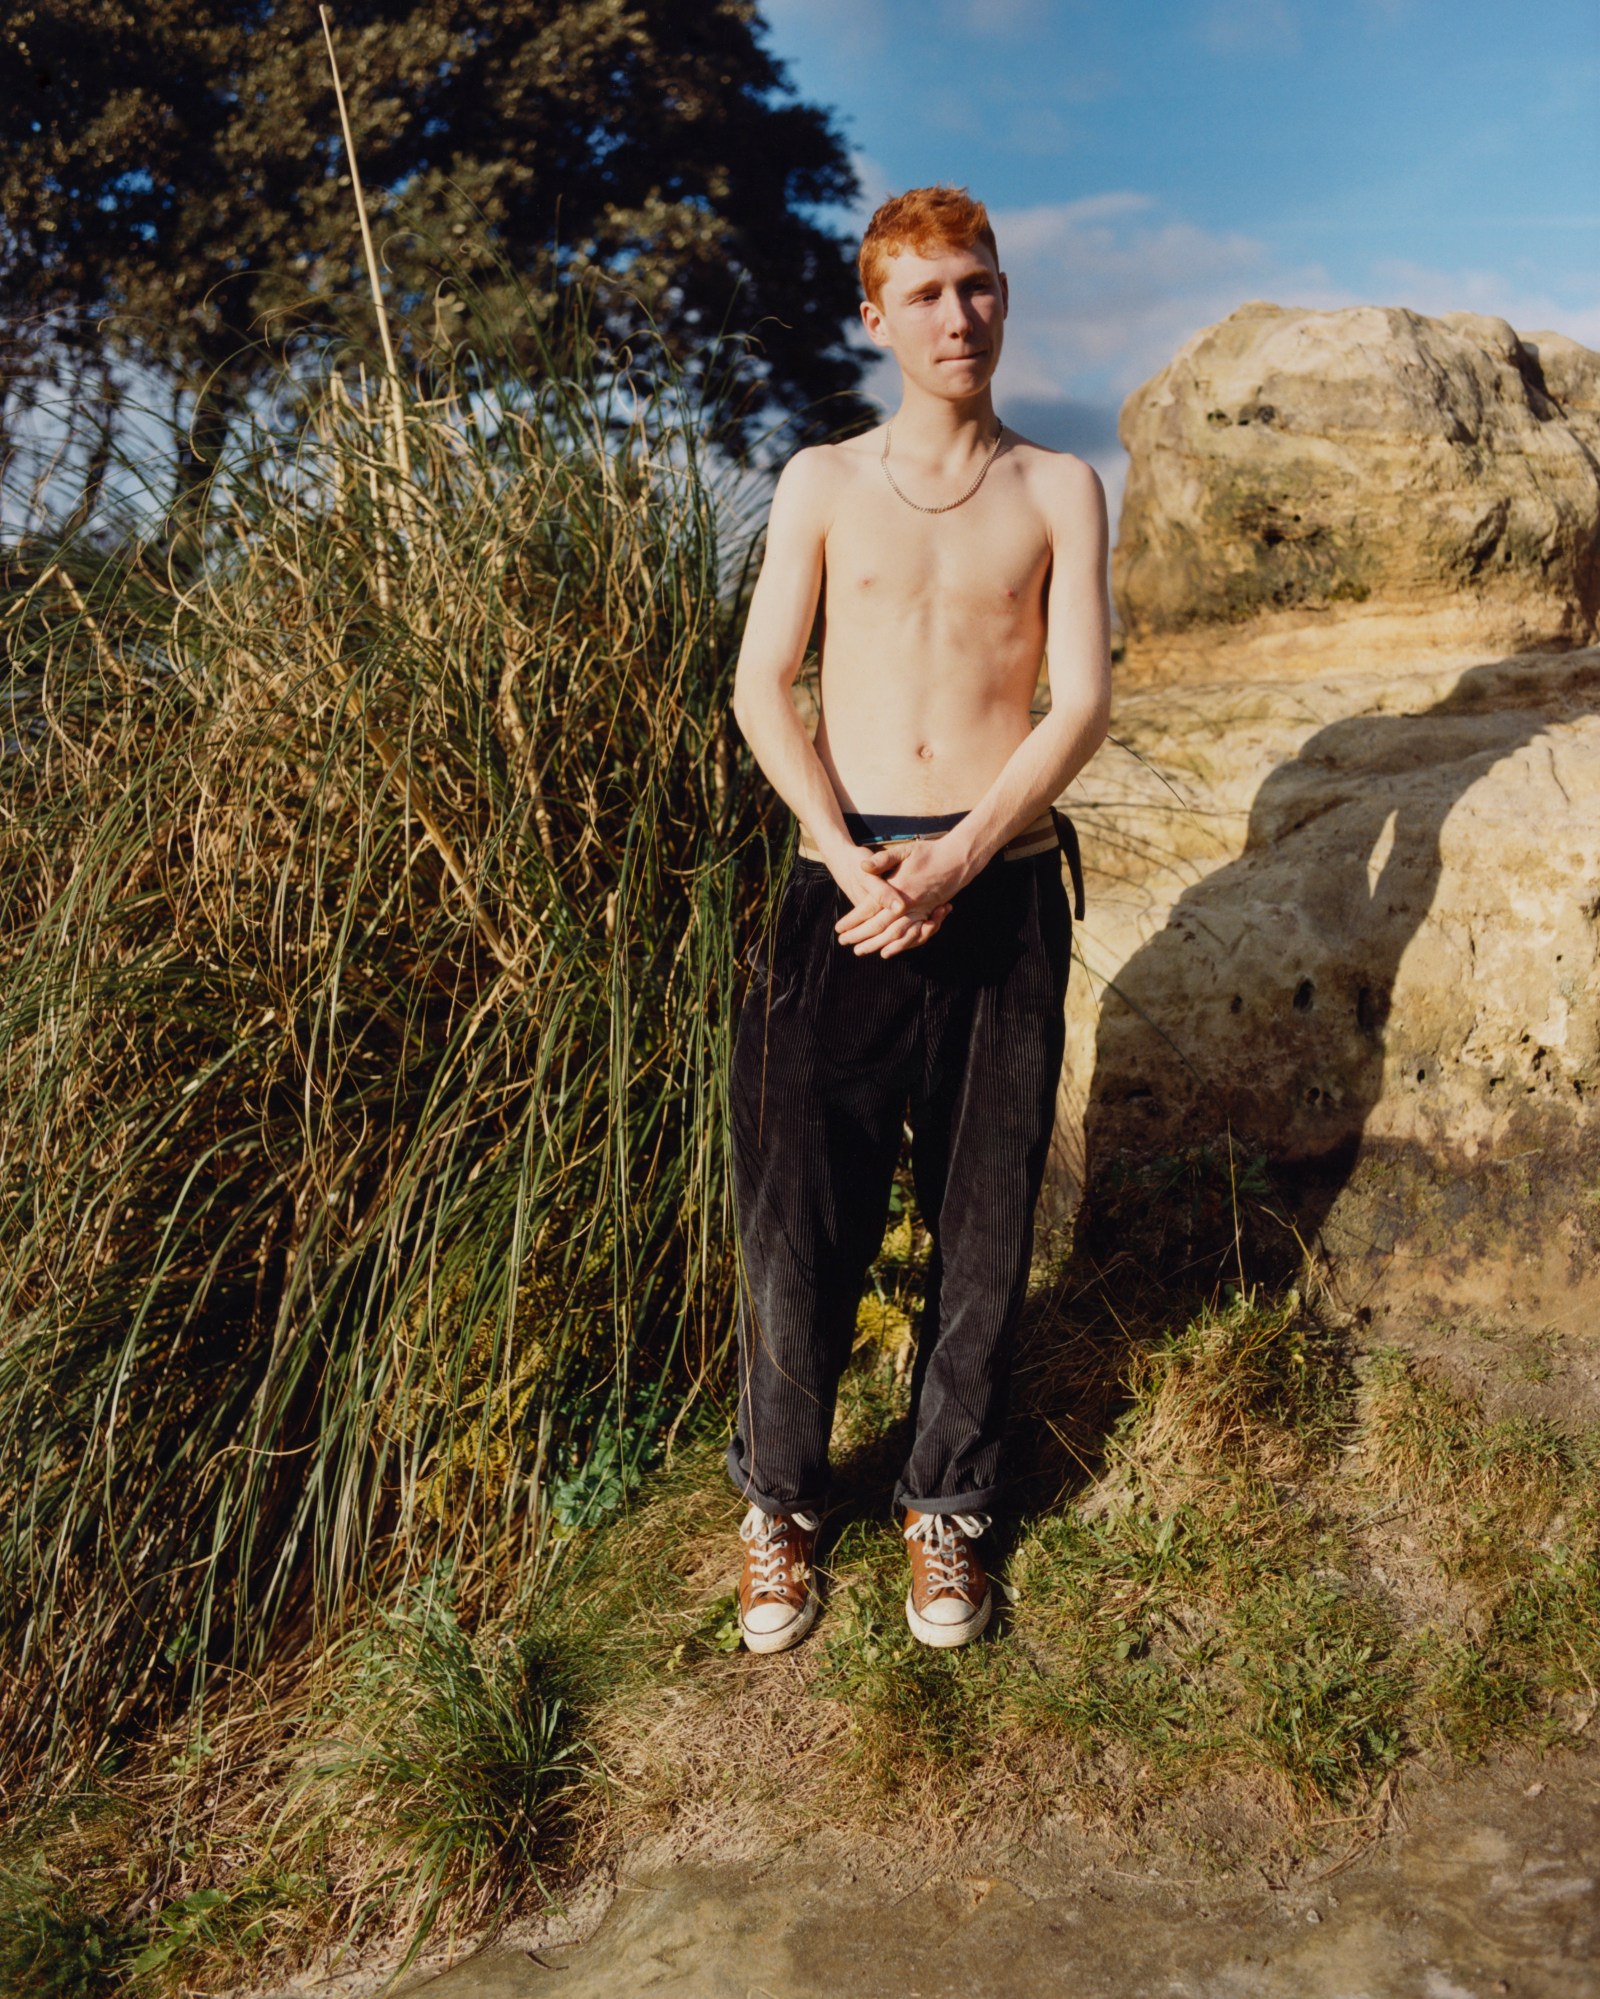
x=782, y=608
x=1078, y=663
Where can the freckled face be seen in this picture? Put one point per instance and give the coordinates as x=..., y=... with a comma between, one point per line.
x=943, y=318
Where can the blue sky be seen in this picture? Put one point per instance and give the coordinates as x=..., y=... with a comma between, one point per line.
x=1153, y=164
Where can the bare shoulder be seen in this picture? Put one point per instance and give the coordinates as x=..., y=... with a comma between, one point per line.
x=821, y=467
x=813, y=480
x=1068, y=488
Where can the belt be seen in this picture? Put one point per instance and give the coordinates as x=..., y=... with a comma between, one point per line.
x=1051, y=829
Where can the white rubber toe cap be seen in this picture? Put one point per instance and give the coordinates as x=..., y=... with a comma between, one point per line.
x=935, y=1626
x=765, y=1618
x=949, y=1610
x=774, y=1627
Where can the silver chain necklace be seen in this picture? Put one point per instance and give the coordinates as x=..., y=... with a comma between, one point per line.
x=983, y=473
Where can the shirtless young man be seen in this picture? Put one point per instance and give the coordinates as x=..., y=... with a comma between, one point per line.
x=925, y=976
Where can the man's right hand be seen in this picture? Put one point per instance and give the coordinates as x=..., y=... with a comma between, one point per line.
x=881, y=919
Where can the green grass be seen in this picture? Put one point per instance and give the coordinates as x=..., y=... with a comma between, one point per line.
x=55, y=1944
x=1211, y=1608
x=1510, y=1509
x=447, y=1754
x=1297, y=1569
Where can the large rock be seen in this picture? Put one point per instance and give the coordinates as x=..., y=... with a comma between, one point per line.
x=1353, y=920
x=1344, y=855
x=1365, y=483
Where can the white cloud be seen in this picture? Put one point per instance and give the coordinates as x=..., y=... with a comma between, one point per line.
x=1032, y=129
x=875, y=188
x=856, y=28
x=1087, y=208
x=1529, y=309
x=987, y=18
x=1038, y=131
x=1104, y=290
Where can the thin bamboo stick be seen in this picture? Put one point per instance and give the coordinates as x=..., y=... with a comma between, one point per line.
x=397, y=400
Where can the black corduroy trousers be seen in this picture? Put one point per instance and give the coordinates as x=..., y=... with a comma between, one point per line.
x=833, y=1055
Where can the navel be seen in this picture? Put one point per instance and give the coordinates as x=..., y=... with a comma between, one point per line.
x=925, y=751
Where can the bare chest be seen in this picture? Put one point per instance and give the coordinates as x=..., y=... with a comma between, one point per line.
x=988, y=560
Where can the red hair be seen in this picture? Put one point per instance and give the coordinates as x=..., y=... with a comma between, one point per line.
x=924, y=220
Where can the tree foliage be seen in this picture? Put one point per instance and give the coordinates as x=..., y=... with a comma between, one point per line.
x=173, y=182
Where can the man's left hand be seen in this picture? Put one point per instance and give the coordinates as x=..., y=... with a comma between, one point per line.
x=926, y=880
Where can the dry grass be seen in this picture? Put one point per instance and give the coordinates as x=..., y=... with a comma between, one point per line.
x=369, y=893
x=1211, y=1638
x=1205, y=1616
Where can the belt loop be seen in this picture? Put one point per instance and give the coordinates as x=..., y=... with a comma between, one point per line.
x=1067, y=835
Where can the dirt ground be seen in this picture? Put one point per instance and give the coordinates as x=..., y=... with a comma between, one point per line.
x=1483, y=1884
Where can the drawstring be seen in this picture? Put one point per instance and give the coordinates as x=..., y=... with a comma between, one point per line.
x=1067, y=837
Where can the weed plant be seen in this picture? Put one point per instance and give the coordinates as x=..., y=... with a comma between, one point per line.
x=450, y=1750
x=55, y=1944
x=1511, y=1510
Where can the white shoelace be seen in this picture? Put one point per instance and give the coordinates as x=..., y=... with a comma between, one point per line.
x=768, y=1538
x=946, y=1553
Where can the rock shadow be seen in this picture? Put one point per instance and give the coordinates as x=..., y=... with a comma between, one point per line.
x=1241, y=1051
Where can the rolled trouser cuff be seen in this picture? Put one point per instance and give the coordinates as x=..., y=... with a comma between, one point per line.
x=753, y=1495
x=976, y=1499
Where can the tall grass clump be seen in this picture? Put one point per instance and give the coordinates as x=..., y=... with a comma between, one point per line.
x=368, y=886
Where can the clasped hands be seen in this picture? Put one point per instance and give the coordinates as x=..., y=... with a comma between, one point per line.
x=900, y=895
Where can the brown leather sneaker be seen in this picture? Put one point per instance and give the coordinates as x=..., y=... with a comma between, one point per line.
x=778, y=1591
x=950, y=1599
